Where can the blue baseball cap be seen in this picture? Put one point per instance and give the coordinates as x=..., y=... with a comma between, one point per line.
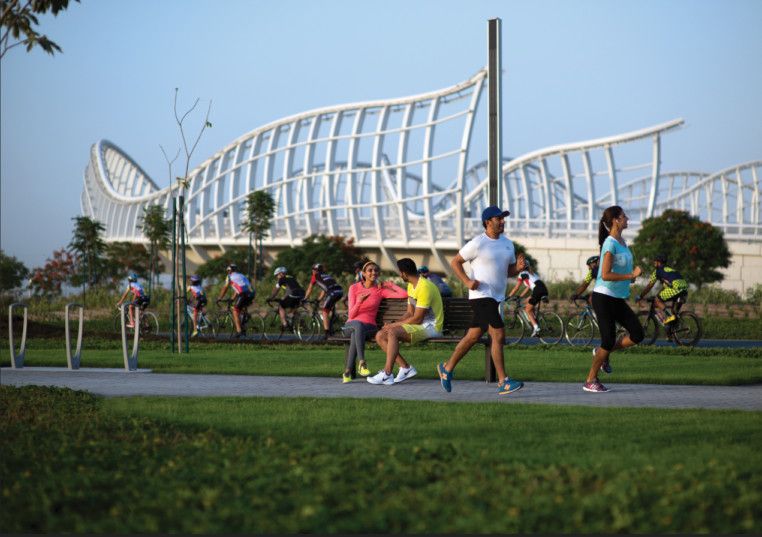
x=492, y=211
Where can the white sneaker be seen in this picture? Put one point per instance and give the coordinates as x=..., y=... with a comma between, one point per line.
x=381, y=378
x=536, y=331
x=405, y=373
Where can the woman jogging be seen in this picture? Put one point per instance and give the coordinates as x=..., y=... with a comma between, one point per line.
x=364, y=299
x=610, y=294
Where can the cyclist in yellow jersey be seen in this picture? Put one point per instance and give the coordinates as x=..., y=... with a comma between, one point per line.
x=673, y=285
x=592, y=273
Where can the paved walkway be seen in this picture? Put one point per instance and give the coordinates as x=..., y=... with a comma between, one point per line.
x=116, y=382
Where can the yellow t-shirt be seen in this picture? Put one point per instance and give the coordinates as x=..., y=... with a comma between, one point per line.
x=426, y=295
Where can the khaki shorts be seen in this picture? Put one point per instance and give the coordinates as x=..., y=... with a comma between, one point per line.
x=420, y=332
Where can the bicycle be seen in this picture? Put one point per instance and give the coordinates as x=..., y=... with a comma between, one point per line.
x=517, y=322
x=223, y=319
x=684, y=331
x=299, y=323
x=149, y=323
x=581, y=327
x=206, y=328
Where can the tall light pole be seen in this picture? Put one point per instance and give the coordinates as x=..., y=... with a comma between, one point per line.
x=495, y=121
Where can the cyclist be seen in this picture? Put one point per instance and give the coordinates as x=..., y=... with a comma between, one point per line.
x=436, y=279
x=294, y=294
x=243, y=295
x=532, y=282
x=673, y=285
x=139, y=297
x=199, y=300
x=330, y=293
x=592, y=273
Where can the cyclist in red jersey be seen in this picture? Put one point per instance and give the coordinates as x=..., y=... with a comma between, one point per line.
x=139, y=297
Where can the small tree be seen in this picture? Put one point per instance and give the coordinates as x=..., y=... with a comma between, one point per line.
x=89, y=247
x=337, y=255
x=18, y=19
x=260, y=208
x=123, y=258
x=12, y=272
x=49, y=279
x=157, y=230
x=695, y=248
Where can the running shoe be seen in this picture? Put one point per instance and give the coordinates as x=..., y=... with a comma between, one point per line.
x=445, y=377
x=195, y=333
x=595, y=387
x=381, y=378
x=509, y=386
x=346, y=377
x=669, y=319
x=405, y=373
x=364, y=371
x=606, y=366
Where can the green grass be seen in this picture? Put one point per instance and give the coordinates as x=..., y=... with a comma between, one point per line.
x=654, y=365
x=76, y=463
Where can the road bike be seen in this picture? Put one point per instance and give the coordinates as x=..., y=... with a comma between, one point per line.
x=685, y=330
x=299, y=323
x=223, y=318
x=206, y=328
x=582, y=326
x=336, y=320
x=517, y=323
x=149, y=323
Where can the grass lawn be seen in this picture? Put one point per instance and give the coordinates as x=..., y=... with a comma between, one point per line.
x=657, y=365
x=73, y=462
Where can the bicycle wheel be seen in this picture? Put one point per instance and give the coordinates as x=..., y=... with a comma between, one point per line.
x=338, y=320
x=686, y=330
x=269, y=326
x=149, y=324
x=514, y=329
x=650, y=328
x=551, y=327
x=118, y=322
x=307, y=327
x=223, y=323
x=580, y=329
x=205, y=327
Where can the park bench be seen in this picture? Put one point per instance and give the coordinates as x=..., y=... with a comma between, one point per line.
x=457, y=320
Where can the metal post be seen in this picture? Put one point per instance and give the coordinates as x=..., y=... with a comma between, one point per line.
x=17, y=360
x=73, y=360
x=183, y=297
x=174, y=280
x=494, y=93
x=130, y=359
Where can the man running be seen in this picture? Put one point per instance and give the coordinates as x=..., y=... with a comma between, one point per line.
x=493, y=259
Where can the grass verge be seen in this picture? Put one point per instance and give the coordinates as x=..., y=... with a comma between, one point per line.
x=653, y=365
x=76, y=463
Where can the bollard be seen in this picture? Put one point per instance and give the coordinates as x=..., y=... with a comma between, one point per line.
x=74, y=360
x=17, y=360
x=130, y=360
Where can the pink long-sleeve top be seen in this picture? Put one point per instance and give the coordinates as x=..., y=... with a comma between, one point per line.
x=365, y=310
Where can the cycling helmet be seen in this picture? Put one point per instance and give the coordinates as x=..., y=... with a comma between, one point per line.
x=132, y=277
x=423, y=269
x=232, y=267
x=195, y=279
x=280, y=270
x=318, y=267
x=660, y=258
x=592, y=259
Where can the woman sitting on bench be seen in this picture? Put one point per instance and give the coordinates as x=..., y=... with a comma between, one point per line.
x=364, y=299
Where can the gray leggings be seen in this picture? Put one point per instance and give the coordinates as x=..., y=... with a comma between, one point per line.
x=357, y=331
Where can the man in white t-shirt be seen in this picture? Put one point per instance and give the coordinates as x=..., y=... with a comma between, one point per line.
x=493, y=259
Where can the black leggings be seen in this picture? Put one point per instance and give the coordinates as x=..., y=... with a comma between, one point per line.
x=609, y=311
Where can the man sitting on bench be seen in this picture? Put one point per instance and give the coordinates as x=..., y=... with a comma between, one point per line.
x=423, y=320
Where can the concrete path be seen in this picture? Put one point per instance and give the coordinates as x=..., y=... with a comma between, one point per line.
x=116, y=382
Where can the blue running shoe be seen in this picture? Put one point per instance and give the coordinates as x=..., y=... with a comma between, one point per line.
x=509, y=386
x=445, y=377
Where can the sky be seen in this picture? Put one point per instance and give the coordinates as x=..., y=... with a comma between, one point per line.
x=573, y=70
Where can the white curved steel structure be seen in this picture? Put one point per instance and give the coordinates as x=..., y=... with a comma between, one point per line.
x=401, y=175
